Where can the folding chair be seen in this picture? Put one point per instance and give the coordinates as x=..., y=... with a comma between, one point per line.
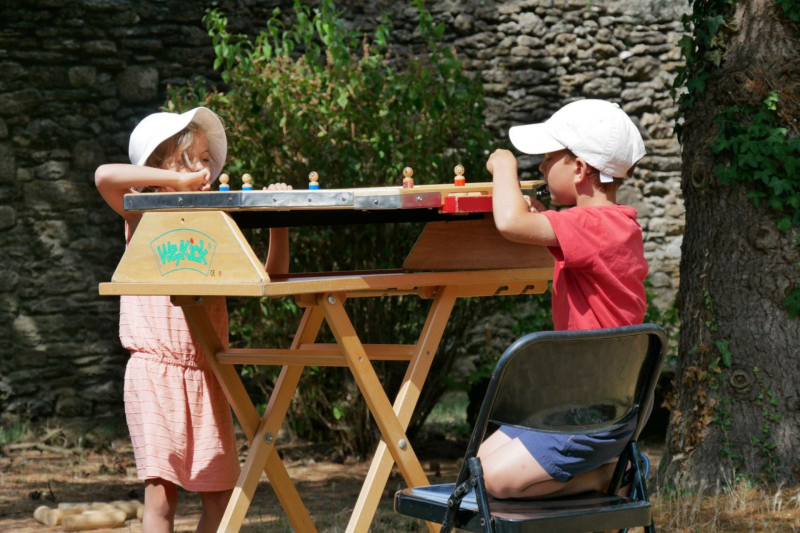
x=572, y=382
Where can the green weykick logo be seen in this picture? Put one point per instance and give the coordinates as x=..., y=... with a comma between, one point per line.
x=183, y=249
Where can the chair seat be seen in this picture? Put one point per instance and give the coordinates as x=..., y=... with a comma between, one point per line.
x=582, y=513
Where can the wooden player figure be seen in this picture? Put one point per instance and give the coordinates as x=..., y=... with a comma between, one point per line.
x=223, y=182
x=247, y=185
x=459, y=180
x=312, y=181
x=408, y=178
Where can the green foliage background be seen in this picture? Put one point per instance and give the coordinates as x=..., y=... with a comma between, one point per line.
x=316, y=96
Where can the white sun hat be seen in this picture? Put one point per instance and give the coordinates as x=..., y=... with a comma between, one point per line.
x=597, y=131
x=158, y=127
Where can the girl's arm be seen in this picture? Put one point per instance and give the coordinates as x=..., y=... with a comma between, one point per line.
x=278, y=255
x=116, y=180
x=512, y=216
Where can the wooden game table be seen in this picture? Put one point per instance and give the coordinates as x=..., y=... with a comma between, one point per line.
x=189, y=246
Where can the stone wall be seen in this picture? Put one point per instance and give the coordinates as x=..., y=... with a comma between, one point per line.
x=77, y=75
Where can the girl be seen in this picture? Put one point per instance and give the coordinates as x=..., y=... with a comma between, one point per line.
x=179, y=420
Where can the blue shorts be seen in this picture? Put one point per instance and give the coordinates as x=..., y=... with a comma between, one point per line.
x=564, y=456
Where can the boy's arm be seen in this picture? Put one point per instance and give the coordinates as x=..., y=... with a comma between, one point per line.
x=512, y=215
x=116, y=180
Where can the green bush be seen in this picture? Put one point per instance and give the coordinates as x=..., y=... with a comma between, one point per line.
x=315, y=96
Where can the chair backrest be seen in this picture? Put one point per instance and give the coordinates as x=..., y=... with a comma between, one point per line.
x=576, y=382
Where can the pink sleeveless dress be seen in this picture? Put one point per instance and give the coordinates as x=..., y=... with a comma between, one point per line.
x=179, y=419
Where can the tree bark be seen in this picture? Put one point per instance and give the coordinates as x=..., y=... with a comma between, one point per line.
x=736, y=270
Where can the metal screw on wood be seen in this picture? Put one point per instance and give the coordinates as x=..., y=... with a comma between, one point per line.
x=331, y=299
x=198, y=300
x=268, y=438
x=402, y=444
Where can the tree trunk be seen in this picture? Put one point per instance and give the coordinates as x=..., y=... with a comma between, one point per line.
x=736, y=270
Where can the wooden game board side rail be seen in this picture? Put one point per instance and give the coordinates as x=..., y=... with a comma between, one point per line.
x=181, y=289
x=416, y=281
x=471, y=284
x=313, y=355
x=447, y=188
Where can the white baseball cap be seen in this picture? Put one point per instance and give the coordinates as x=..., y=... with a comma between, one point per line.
x=595, y=130
x=158, y=127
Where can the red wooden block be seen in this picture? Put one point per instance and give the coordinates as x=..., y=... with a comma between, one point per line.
x=467, y=204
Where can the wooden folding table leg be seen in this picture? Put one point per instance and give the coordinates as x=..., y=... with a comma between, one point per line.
x=372, y=390
x=404, y=405
x=205, y=334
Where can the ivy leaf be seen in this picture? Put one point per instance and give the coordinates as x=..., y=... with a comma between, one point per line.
x=727, y=356
x=792, y=302
x=784, y=224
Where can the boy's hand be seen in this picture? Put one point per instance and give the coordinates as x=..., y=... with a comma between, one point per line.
x=501, y=159
x=194, y=181
x=278, y=187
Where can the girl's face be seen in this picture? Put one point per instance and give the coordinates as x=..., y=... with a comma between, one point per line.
x=560, y=177
x=199, y=157
x=199, y=153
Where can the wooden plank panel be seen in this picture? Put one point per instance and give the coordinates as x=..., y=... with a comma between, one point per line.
x=472, y=245
x=188, y=247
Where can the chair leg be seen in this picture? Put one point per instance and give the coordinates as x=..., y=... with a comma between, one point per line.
x=476, y=475
x=640, y=481
x=476, y=483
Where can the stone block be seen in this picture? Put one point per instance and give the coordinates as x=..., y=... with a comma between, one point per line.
x=82, y=76
x=602, y=88
x=138, y=85
x=19, y=102
x=7, y=163
x=72, y=406
x=88, y=155
x=464, y=23
x=8, y=219
x=52, y=170
x=100, y=48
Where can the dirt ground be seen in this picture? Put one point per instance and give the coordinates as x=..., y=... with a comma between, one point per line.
x=31, y=478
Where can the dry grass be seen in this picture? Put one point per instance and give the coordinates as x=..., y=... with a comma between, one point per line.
x=740, y=507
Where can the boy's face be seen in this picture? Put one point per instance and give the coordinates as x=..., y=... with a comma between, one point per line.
x=559, y=173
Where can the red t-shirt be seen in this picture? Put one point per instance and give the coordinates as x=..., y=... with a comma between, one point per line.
x=600, y=268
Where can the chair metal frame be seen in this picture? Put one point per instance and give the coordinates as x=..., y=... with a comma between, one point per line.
x=470, y=477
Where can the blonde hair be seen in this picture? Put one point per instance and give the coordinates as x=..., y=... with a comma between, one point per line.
x=594, y=174
x=174, y=153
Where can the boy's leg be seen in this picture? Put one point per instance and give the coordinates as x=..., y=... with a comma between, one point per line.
x=160, y=502
x=214, y=505
x=510, y=471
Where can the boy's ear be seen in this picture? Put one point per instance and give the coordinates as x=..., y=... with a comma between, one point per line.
x=581, y=170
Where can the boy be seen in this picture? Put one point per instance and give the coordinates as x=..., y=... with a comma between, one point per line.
x=589, y=146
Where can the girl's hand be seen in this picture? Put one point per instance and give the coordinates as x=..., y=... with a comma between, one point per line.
x=194, y=181
x=534, y=206
x=278, y=187
x=499, y=159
